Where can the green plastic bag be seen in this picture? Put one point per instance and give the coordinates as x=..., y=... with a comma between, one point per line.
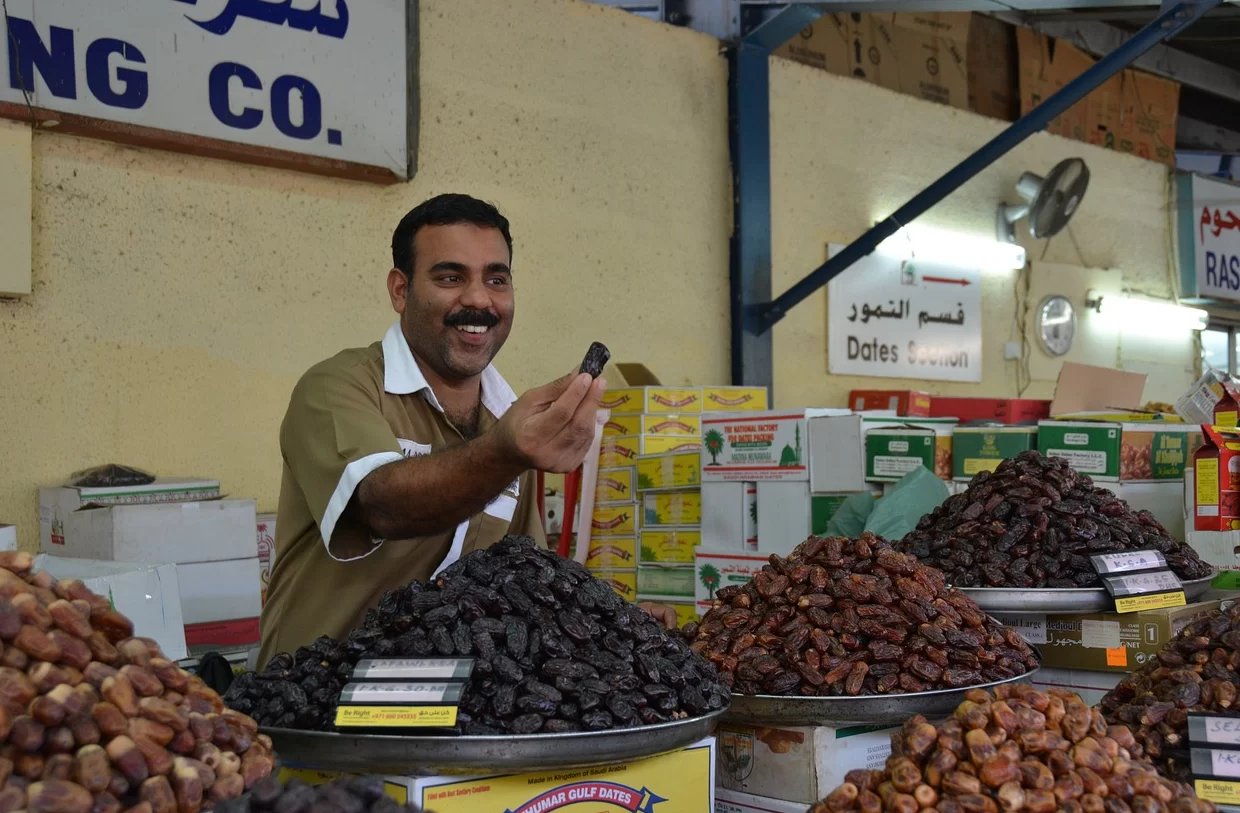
x=918, y=493
x=849, y=519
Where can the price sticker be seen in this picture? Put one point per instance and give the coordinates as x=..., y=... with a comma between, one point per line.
x=1213, y=729
x=1031, y=627
x=386, y=694
x=1219, y=791
x=1127, y=561
x=409, y=669
x=395, y=716
x=1152, y=590
x=1216, y=763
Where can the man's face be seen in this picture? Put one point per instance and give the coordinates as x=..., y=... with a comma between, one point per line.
x=457, y=311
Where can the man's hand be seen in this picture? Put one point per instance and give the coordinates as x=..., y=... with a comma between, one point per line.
x=665, y=614
x=551, y=428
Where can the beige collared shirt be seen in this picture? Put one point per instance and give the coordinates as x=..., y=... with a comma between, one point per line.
x=349, y=415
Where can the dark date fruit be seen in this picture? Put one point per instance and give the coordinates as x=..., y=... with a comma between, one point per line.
x=596, y=359
x=852, y=617
x=556, y=651
x=1034, y=522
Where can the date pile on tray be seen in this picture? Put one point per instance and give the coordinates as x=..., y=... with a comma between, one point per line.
x=853, y=617
x=556, y=651
x=1195, y=671
x=1016, y=750
x=349, y=794
x=1034, y=522
x=95, y=720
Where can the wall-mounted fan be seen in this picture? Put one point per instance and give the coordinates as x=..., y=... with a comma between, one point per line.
x=1050, y=202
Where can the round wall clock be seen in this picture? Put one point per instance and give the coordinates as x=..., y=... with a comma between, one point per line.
x=1056, y=324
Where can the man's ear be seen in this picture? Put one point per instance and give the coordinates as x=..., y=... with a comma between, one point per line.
x=398, y=289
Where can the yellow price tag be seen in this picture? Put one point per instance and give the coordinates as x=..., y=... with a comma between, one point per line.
x=395, y=716
x=1157, y=601
x=1218, y=791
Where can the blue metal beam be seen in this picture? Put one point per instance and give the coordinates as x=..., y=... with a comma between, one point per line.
x=1173, y=19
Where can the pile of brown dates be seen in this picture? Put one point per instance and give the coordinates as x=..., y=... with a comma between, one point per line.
x=1196, y=671
x=853, y=617
x=1034, y=522
x=1016, y=750
x=556, y=650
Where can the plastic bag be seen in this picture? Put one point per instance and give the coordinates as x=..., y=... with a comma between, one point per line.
x=918, y=493
x=849, y=519
x=110, y=476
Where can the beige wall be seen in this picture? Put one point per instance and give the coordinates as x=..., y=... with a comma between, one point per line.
x=176, y=300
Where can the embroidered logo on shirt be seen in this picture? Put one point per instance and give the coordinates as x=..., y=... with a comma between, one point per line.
x=411, y=449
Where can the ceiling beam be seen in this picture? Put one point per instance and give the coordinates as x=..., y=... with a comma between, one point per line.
x=1193, y=134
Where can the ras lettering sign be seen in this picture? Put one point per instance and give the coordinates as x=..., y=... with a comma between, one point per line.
x=268, y=81
x=1209, y=237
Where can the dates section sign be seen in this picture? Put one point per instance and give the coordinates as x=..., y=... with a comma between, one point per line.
x=891, y=317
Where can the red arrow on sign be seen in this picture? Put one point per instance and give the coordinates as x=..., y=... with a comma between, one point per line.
x=946, y=280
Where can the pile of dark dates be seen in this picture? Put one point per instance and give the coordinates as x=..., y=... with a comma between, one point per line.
x=853, y=617
x=1034, y=522
x=1195, y=672
x=556, y=650
x=348, y=794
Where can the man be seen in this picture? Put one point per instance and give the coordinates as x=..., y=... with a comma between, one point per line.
x=401, y=457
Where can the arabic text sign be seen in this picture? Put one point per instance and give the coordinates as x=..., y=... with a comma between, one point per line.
x=318, y=77
x=1216, y=238
x=892, y=319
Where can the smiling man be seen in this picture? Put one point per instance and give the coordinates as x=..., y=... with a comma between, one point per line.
x=403, y=456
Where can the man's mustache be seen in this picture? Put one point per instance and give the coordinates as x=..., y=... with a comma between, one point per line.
x=470, y=316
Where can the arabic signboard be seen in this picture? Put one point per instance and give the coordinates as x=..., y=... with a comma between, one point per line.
x=320, y=85
x=1209, y=237
x=893, y=318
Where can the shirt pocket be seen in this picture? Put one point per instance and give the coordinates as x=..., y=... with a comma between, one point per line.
x=411, y=448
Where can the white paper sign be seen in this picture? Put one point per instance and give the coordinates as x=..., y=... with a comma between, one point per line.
x=892, y=318
x=1216, y=238
x=319, y=77
x=1031, y=627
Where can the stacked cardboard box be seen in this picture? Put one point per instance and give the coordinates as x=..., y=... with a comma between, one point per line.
x=896, y=446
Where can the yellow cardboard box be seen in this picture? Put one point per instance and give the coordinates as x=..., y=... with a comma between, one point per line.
x=681, y=425
x=661, y=472
x=670, y=546
x=615, y=485
x=619, y=519
x=623, y=582
x=618, y=451
x=672, y=508
x=666, y=400
x=686, y=611
x=620, y=423
x=667, y=444
x=612, y=552
x=727, y=399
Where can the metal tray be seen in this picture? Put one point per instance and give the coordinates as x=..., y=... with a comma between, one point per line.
x=1060, y=599
x=886, y=709
x=466, y=756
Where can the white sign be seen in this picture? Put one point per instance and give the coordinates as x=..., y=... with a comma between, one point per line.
x=319, y=77
x=1216, y=238
x=893, y=318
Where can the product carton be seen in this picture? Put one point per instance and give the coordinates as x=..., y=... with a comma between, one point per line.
x=1153, y=451
x=733, y=801
x=215, y=530
x=610, y=552
x=730, y=399
x=616, y=485
x=632, y=423
x=669, y=400
x=148, y=595
x=1212, y=400
x=784, y=515
x=56, y=503
x=266, y=532
x=892, y=452
x=619, y=451
x=8, y=537
x=1217, y=480
x=976, y=449
x=669, y=546
x=730, y=516
x=717, y=569
x=1001, y=410
x=614, y=519
x=905, y=403
x=669, y=471
x=797, y=764
x=623, y=581
x=753, y=446
x=681, y=508
x=666, y=582
x=836, y=453
x=1090, y=447
x=221, y=602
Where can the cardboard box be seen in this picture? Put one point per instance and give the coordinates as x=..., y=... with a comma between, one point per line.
x=892, y=452
x=797, y=764
x=667, y=400
x=976, y=449
x=752, y=446
x=730, y=516
x=1108, y=642
x=221, y=602
x=616, y=484
x=1155, y=452
x=681, y=508
x=905, y=403
x=266, y=532
x=176, y=533
x=855, y=45
x=669, y=444
x=148, y=595
x=1213, y=400
x=56, y=503
x=614, y=519
x=619, y=451
x=686, y=611
x=718, y=569
x=728, y=399
x=1090, y=448
x=669, y=471
x=1045, y=65
x=943, y=429
x=665, y=582
x=822, y=509
x=1216, y=468
x=611, y=552
x=669, y=546
x=1091, y=686
x=836, y=453
x=8, y=537
x=632, y=423
x=733, y=801
x=784, y=513
x=992, y=68
x=623, y=582
x=1002, y=410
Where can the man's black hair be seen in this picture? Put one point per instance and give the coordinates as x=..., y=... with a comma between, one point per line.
x=443, y=210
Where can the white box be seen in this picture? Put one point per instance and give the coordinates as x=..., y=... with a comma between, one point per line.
x=784, y=514
x=221, y=591
x=56, y=503
x=836, y=454
x=758, y=446
x=733, y=801
x=1164, y=500
x=1091, y=686
x=722, y=568
x=177, y=533
x=148, y=595
x=8, y=537
x=797, y=764
x=729, y=516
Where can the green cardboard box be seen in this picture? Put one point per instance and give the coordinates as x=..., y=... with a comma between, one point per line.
x=672, y=582
x=976, y=449
x=892, y=452
x=1090, y=448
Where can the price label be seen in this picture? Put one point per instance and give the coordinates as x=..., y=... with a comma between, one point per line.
x=1031, y=627
x=1127, y=561
x=395, y=716
x=1212, y=729
x=1154, y=601
x=355, y=694
x=1219, y=791
x=409, y=669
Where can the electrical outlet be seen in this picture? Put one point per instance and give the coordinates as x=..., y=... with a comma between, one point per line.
x=1011, y=351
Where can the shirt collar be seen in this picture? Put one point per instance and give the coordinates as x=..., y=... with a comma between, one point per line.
x=403, y=376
